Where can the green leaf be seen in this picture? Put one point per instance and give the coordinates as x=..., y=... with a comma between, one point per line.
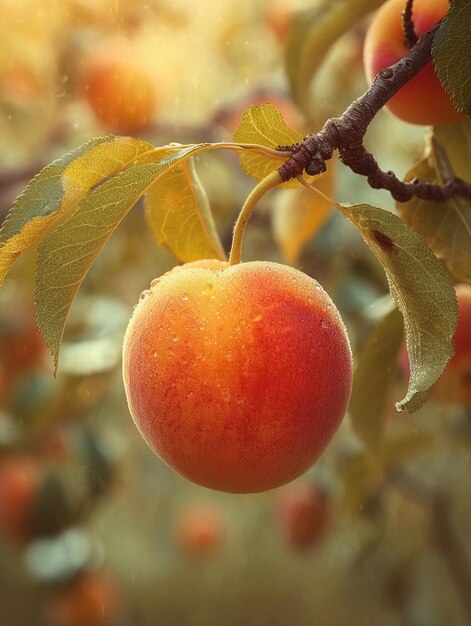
x=263, y=124
x=314, y=32
x=422, y=290
x=67, y=253
x=179, y=215
x=445, y=226
x=58, y=188
x=451, y=53
x=372, y=380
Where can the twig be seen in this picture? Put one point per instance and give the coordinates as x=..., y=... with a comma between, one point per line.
x=410, y=37
x=346, y=133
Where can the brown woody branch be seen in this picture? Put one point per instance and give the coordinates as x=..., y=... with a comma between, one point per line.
x=346, y=133
x=410, y=37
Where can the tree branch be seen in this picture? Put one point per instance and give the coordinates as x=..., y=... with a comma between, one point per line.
x=346, y=133
x=410, y=37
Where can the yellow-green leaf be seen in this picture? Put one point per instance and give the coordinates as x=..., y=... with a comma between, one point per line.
x=179, y=215
x=374, y=372
x=313, y=32
x=58, y=188
x=422, y=290
x=67, y=253
x=263, y=124
x=445, y=226
x=298, y=214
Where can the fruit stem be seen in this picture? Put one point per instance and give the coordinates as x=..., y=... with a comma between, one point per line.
x=269, y=182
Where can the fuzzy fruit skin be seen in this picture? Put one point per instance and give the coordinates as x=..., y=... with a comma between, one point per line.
x=422, y=100
x=303, y=516
x=121, y=95
x=237, y=376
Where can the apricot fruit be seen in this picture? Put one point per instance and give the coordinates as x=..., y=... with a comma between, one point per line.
x=303, y=516
x=454, y=385
x=121, y=94
x=422, y=100
x=91, y=599
x=19, y=485
x=237, y=376
x=199, y=530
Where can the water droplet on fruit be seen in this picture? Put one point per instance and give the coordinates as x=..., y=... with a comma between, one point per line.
x=185, y=296
x=325, y=324
x=145, y=293
x=175, y=338
x=256, y=317
x=207, y=289
x=154, y=354
x=155, y=282
x=225, y=394
x=227, y=354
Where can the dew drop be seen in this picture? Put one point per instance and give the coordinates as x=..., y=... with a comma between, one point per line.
x=154, y=354
x=144, y=294
x=207, y=289
x=185, y=297
x=256, y=317
x=175, y=338
x=155, y=282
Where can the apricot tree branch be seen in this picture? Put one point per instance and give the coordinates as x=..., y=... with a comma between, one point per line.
x=346, y=133
x=443, y=534
x=410, y=37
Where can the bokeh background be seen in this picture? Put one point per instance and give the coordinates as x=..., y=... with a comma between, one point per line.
x=94, y=529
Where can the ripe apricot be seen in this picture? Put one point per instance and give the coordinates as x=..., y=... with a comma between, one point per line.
x=422, y=100
x=237, y=376
x=89, y=600
x=199, y=529
x=19, y=484
x=121, y=94
x=302, y=515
